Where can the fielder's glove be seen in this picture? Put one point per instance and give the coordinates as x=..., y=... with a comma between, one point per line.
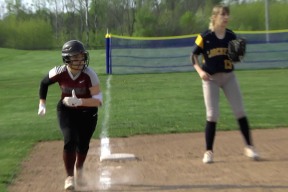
x=236, y=49
x=72, y=101
x=42, y=109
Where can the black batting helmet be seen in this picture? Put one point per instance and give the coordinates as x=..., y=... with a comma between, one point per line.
x=74, y=47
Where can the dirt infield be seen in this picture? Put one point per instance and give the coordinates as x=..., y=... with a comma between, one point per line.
x=166, y=163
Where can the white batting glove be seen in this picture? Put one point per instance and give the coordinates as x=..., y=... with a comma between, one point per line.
x=72, y=101
x=42, y=109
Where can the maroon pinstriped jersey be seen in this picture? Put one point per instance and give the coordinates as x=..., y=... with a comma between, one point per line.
x=67, y=82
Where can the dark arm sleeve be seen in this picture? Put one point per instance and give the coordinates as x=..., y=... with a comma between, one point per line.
x=44, y=87
x=196, y=50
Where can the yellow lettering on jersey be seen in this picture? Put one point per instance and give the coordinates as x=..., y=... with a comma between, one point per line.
x=217, y=52
x=228, y=64
x=199, y=41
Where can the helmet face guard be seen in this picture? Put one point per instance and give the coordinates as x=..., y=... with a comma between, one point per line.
x=72, y=48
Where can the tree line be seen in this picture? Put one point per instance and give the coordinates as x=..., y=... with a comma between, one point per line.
x=47, y=24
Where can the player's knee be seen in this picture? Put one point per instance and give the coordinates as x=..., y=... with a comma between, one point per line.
x=83, y=149
x=212, y=116
x=211, y=119
x=70, y=146
x=239, y=114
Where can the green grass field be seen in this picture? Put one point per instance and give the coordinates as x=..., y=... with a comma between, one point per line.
x=140, y=104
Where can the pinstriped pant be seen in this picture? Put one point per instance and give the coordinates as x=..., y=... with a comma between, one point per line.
x=211, y=91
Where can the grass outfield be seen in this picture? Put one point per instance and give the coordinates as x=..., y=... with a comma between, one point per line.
x=140, y=104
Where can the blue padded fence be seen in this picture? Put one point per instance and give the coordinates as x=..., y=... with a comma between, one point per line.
x=127, y=55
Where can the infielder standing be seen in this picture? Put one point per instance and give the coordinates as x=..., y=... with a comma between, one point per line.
x=217, y=72
x=77, y=110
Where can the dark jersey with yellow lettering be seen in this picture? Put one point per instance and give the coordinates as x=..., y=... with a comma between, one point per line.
x=214, y=51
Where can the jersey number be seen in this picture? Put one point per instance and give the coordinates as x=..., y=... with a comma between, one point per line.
x=228, y=64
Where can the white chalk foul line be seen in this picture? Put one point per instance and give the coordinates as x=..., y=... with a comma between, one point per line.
x=105, y=174
x=105, y=178
x=105, y=147
x=105, y=125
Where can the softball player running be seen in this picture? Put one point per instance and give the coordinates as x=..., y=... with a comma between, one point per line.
x=77, y=109
x=217, y=72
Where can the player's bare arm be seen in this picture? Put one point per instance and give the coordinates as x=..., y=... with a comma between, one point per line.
x=42, y=101
x=95, y=100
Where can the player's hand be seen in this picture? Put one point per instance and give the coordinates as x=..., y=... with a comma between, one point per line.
x=72, y=101
x=205, y=76
x=42, y=109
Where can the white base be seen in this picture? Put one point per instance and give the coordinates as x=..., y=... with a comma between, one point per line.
x=117, y=157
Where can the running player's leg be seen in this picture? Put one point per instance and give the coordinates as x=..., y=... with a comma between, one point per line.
x=86, y=127
x=69, y=135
